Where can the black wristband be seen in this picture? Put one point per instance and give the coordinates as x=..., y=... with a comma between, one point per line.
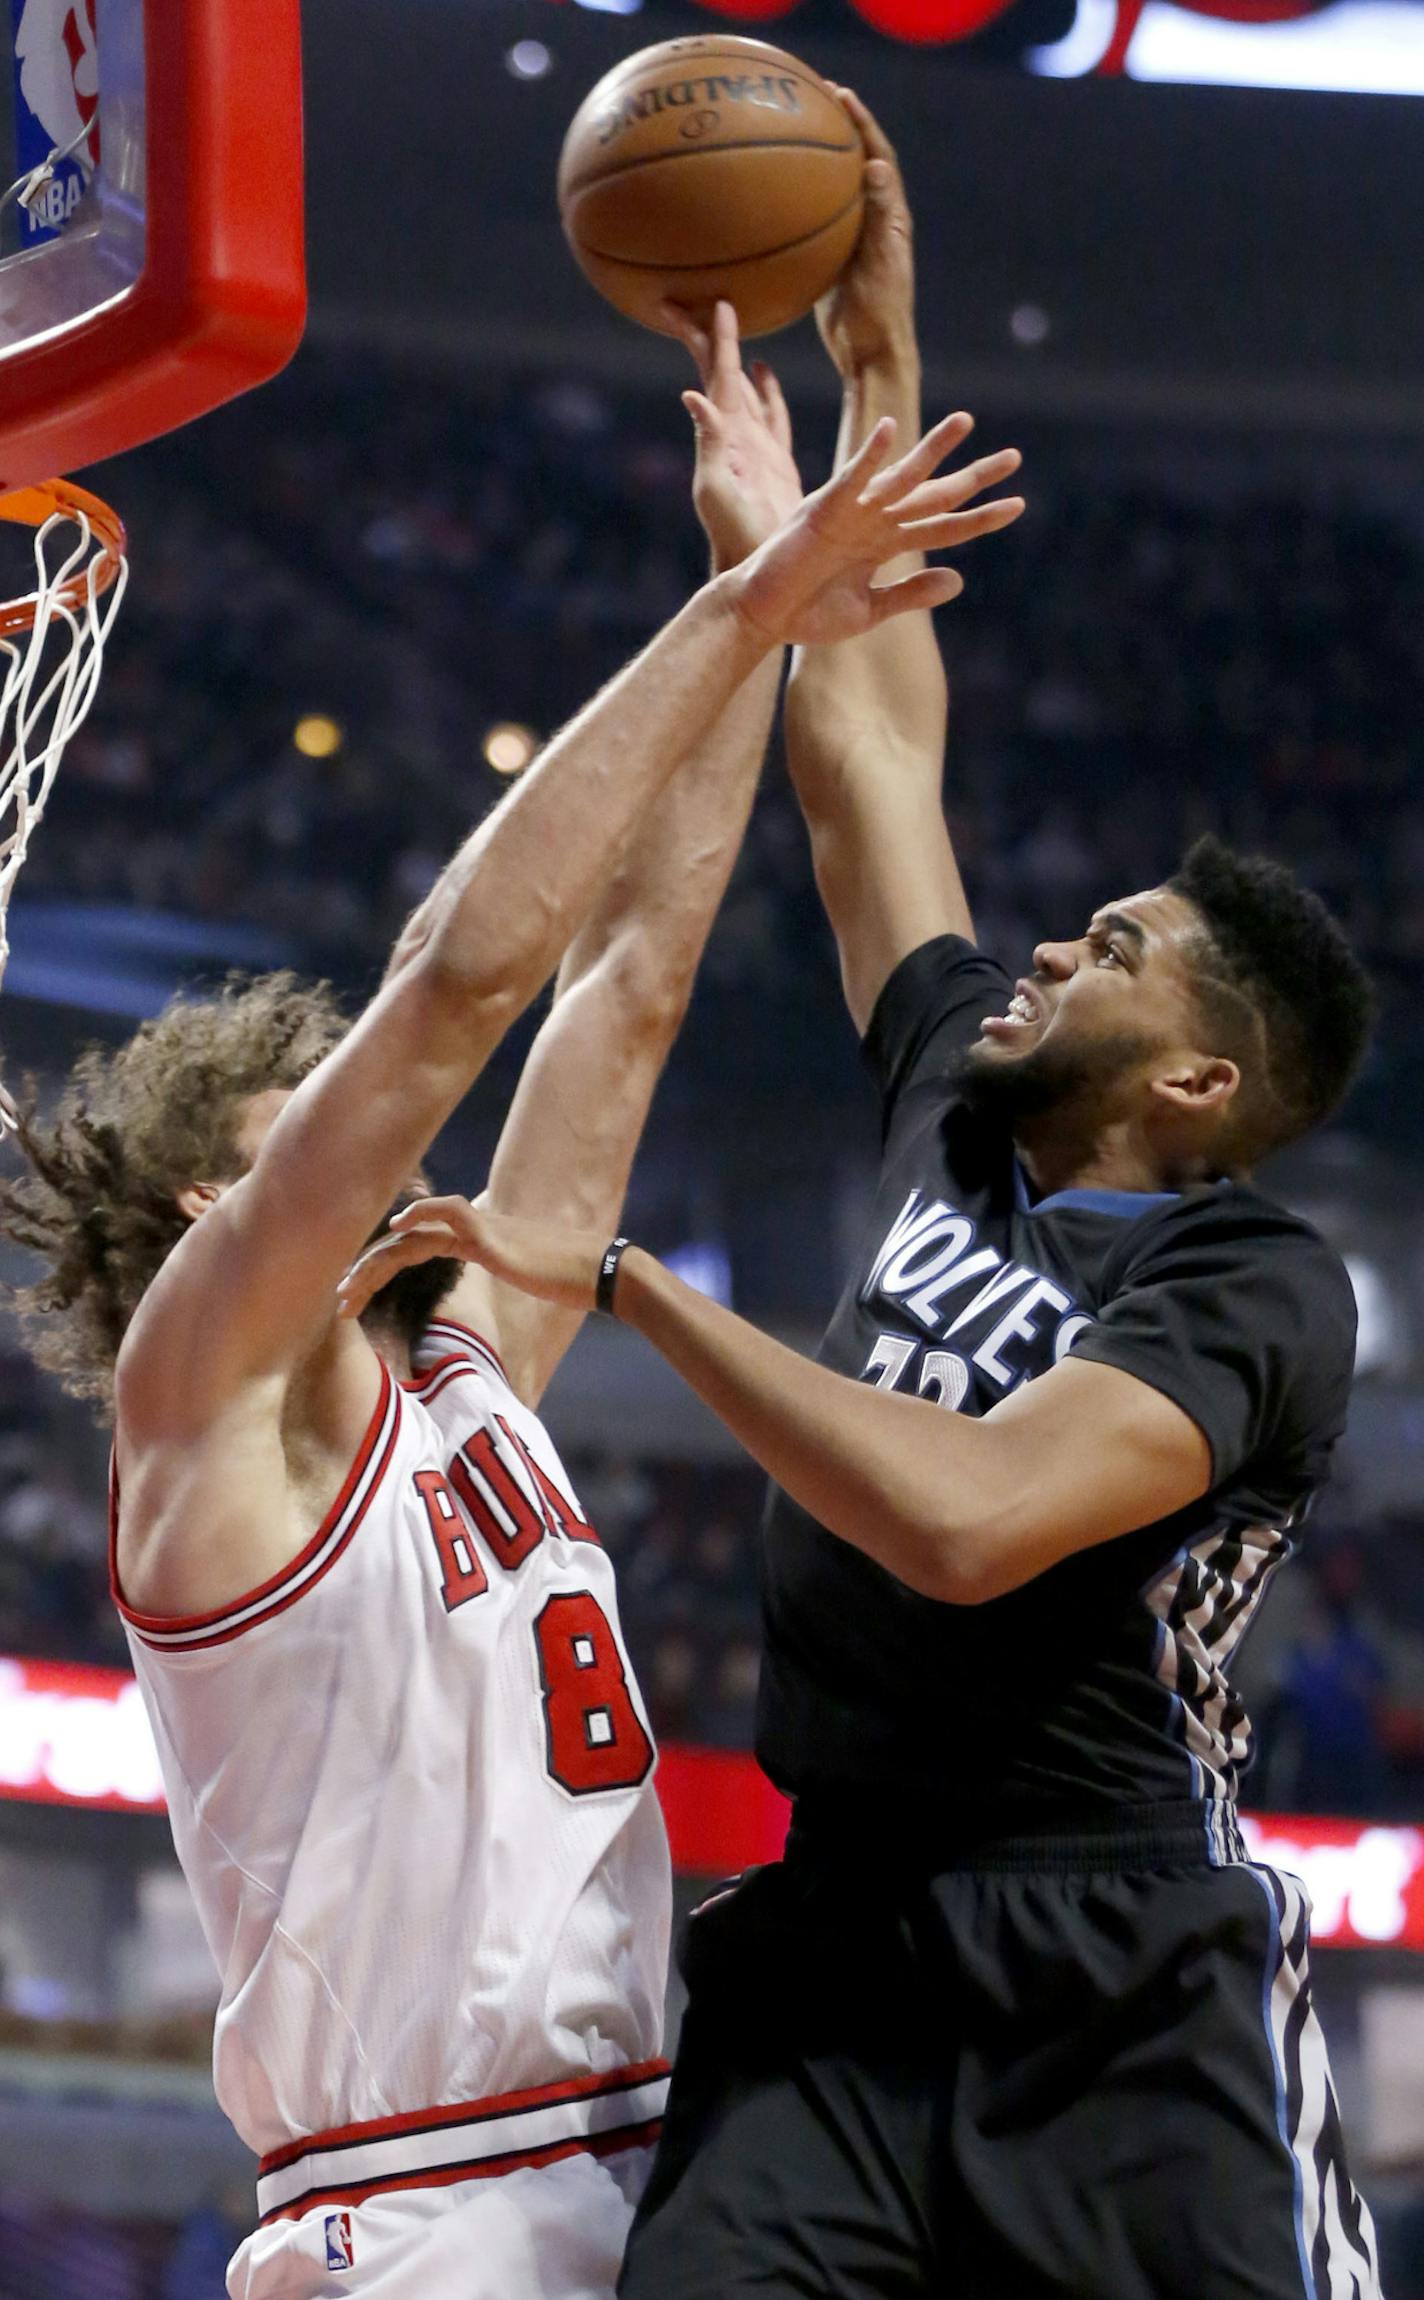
x=608, y=1276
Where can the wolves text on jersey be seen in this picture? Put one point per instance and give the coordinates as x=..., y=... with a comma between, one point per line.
x=931, y=1268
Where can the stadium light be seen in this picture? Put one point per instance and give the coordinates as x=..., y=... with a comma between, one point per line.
x=509, y=747
x=318, y=737
x=1030, y=325
x=528, y=60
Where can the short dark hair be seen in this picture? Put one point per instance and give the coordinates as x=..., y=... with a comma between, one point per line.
x=1275, y=960
x=97, y=1201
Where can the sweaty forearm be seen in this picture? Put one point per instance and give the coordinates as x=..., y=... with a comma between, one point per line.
x=570, y=1138
x=915, y=1488
x=661, y=898
x=568, y=1145
x=506, y=907
x=865, y=734
x=889, y=685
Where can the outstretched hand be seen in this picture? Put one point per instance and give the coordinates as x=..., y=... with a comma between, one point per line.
x=746, y=484
x=813, y=583
x=540, y=1258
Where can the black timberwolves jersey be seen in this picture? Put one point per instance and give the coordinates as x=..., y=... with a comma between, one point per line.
x=1106, y=1678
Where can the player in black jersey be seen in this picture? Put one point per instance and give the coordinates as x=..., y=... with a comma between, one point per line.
x=1015, y=2017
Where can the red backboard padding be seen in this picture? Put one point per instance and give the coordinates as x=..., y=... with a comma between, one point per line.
x=221, y=301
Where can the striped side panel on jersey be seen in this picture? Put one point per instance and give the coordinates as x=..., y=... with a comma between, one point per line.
x=1335, y=2235
x=1204, y=1603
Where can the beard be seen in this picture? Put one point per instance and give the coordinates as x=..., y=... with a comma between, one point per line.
x=1073, y=1075
x=408, y=1301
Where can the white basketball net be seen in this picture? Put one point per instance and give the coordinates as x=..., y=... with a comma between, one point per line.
x=49, y=676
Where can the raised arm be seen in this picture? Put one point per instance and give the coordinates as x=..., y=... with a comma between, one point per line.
x=568, y=1145
x=248, y=1293
x=866, y=721
x=958, y=1509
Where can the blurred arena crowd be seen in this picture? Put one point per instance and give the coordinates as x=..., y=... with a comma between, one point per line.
x=420, y=558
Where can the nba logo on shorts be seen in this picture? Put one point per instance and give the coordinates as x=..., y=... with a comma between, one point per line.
x=340, y=2251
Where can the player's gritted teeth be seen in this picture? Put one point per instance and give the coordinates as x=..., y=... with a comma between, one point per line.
x=1028, y=1012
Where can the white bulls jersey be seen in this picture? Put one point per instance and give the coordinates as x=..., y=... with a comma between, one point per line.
x=410, y=1783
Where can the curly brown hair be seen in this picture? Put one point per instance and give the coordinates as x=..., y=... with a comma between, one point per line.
x=131, y=1129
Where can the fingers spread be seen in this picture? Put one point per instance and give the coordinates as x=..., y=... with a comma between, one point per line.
x=992, y=518
x=953, y=527
x=939, y=441
x=931, y=587
x=990, y=469
x=863, y=466
x=953, y=489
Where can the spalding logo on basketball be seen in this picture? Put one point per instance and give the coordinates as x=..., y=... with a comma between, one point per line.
x=776, y=92
x=57, y=47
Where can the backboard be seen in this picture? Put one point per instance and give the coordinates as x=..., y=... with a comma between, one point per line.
x=158, y=269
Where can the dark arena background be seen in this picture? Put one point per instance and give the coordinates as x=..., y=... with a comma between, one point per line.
x=1174, y=253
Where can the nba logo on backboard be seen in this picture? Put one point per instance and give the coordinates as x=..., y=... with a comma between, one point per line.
x=340, y=2249
x=56, y=100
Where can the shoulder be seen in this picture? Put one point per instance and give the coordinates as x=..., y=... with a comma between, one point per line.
x=1244, y=1260
x=930, y=1010
x=1234, y=1220
x=947, y=972
x=1237, y=1309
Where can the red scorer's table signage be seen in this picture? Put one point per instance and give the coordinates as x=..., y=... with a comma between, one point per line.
x=73, y=1735
x=1365, y=1880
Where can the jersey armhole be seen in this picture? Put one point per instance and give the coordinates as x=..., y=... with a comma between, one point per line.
x=193, y=1632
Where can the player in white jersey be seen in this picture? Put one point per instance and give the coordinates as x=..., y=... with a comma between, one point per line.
x=411, y=1782
x=410, y=1776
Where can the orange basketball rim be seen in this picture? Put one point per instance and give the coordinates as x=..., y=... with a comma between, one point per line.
x=78, y=591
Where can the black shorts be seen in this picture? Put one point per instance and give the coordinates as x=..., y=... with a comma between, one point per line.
x=1075, y=2065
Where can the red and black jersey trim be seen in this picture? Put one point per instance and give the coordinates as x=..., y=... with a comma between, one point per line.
x=189, y=1633
x=596, y=2115
x=474, y=2168
x=458, y=1343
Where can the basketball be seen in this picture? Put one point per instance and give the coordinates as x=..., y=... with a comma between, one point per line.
x=712, y=167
